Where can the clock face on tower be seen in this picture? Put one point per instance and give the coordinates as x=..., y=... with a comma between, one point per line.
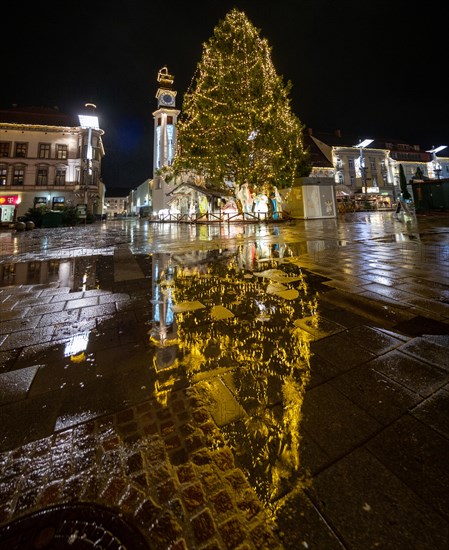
x=167, y=99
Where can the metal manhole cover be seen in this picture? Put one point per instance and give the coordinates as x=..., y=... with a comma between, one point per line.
x=71, y=527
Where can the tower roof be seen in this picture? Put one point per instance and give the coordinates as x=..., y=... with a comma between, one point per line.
x=164, y=78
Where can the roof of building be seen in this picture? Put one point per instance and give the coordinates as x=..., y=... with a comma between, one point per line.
x=40, y=116
x=318, y=159
x=400, y=149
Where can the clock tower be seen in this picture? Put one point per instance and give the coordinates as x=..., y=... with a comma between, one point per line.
x=165, y=118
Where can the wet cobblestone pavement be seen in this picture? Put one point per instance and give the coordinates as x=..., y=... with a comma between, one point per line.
x=226, y=387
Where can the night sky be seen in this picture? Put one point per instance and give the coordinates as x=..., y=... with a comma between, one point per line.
x=370, y=69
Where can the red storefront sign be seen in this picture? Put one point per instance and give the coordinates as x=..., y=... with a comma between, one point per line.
x=9, y=199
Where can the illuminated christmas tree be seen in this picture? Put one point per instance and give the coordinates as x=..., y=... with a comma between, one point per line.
x=236, y=124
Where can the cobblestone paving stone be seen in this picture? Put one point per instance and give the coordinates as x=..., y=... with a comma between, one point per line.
x=162, y=464
x=164, y=468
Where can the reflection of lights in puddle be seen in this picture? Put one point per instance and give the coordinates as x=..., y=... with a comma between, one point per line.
x=264, y=312
x=68, y=420
x=84, y=281
x=76, y=346
x=269, y=356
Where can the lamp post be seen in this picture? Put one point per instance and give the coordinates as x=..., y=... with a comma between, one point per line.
x=436, y=164
x=361, y=146
x=89, y=121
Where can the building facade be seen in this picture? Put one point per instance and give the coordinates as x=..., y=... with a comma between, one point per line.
x=140, y=199
x=116, y=203
x=370, y=173
x=49, y=159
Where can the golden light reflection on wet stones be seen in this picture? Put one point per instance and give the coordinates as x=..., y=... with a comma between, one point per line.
x=241, y=348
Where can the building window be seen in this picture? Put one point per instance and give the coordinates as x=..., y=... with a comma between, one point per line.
x=42, y=176
x=44, y=150
x=351, y=164
x=61, y=152
x=95, y=148
x=18, y=176
x=60, y=176
x=3, y=175
x=4, y=149
x=340, y=179
x=21, y=149
x=352, y=180
x=40, y=201
x=58, y=203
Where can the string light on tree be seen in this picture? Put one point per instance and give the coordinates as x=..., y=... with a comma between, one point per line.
x=236, y=123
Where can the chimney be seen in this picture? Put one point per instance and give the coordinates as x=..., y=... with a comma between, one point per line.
x=310, y=131
x=338, y=132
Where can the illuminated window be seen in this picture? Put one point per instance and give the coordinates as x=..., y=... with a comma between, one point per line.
x=158, y=146
x=169, y=143
x=61, y=152
x=44, y=150
x=40, y=201
x=58, y=203
x=42, y=176
x=21, y=149
x=60, y=176
x=18, y=176
x=3, y=175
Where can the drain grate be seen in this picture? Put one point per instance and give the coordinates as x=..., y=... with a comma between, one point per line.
x=71, y=527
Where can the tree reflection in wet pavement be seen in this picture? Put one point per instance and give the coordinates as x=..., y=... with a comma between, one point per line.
x=105, y=317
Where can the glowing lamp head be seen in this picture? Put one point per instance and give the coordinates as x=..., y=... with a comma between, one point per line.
x=364, y=143
x=436, y=150
x=89, y=121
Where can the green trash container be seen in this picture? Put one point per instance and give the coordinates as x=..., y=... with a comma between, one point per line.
x=52, y=219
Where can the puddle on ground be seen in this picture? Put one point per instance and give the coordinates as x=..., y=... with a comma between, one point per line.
x=231, y=331
x=224, y=321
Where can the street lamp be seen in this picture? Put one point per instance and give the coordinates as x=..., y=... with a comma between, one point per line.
x=89, y=122
x=361, y=146
x=436, y=164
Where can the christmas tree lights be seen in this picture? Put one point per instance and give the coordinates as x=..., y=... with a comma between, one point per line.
x=236, y=124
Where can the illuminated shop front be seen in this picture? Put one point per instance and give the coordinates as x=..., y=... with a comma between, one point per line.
x=8, y=205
